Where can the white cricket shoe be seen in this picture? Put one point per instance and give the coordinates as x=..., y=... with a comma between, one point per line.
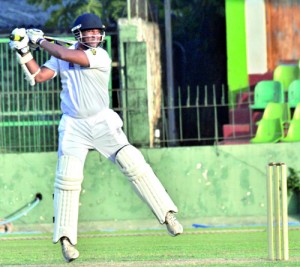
x=69, y=251
x=173, y=226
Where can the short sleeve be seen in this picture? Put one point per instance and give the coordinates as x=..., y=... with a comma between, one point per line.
x=98, y=58
x=52, y=64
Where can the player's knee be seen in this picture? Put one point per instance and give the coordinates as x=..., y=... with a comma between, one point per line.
x=69, y=173
x=131, y=162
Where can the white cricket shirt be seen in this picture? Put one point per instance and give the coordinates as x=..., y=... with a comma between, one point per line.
x=84, y=89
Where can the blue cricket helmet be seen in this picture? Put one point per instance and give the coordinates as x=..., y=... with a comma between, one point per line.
x=88, y=21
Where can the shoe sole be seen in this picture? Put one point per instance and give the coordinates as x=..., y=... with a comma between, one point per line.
x=175, y=234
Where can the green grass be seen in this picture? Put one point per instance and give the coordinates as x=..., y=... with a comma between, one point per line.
x=230, y=247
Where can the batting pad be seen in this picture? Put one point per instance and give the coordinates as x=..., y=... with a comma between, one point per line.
x=132, y=163
x=67, y=187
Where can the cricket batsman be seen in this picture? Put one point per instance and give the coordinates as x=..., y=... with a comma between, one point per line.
x=87, y=123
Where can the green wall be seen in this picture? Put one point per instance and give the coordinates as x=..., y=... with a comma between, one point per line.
x=236, y=46
x=213, y=185
x=133, y=59
x=137, y=119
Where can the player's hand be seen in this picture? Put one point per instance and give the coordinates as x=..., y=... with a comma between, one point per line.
x=19, y=41
x=35, y=36
x=33, y=46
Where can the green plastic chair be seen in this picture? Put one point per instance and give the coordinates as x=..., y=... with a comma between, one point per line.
x=286, y=73
x=293, y=133
x=277, y=110
x=268, y=131
x=296, y=115
x=267, y=91
x=294, y=93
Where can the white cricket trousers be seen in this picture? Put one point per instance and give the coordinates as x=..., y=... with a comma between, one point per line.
x=102, y=132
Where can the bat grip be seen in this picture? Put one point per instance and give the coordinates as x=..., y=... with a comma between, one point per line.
x=15, y=37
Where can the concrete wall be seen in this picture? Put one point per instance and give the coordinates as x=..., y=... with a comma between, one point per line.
x=141, y=74
x=213, y=185
x=256, y=36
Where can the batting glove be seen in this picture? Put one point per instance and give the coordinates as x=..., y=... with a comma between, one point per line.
x=19, y=41
x=36, y=36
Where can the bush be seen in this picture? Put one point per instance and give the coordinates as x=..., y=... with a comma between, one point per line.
x=293, y=181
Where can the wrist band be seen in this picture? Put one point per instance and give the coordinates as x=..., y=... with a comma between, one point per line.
x=39, y=41
x=36, y=73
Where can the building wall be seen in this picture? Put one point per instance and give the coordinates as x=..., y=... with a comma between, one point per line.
x=283, y=36
x=261, y=34
x=256, y=37
x=210, y=184
x=140, y=59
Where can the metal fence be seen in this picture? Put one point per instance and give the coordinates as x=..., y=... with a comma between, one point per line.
x=199, y=112
x=30, y=115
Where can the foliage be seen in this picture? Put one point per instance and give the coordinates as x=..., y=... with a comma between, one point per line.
x=190, y=18
x=63, y=13
x=198, y=31
x=188, y=15
x=293, y=181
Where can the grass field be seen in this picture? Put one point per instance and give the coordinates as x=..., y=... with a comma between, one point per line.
x=196, y=247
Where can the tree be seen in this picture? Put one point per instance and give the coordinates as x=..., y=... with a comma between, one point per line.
x=64, y=12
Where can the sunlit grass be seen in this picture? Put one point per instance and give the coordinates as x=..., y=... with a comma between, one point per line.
x=231, y=247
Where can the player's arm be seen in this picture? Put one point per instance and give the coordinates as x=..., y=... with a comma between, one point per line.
x=42, y=73
x=20, y=45
x=61, y=52
x=36, y=38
